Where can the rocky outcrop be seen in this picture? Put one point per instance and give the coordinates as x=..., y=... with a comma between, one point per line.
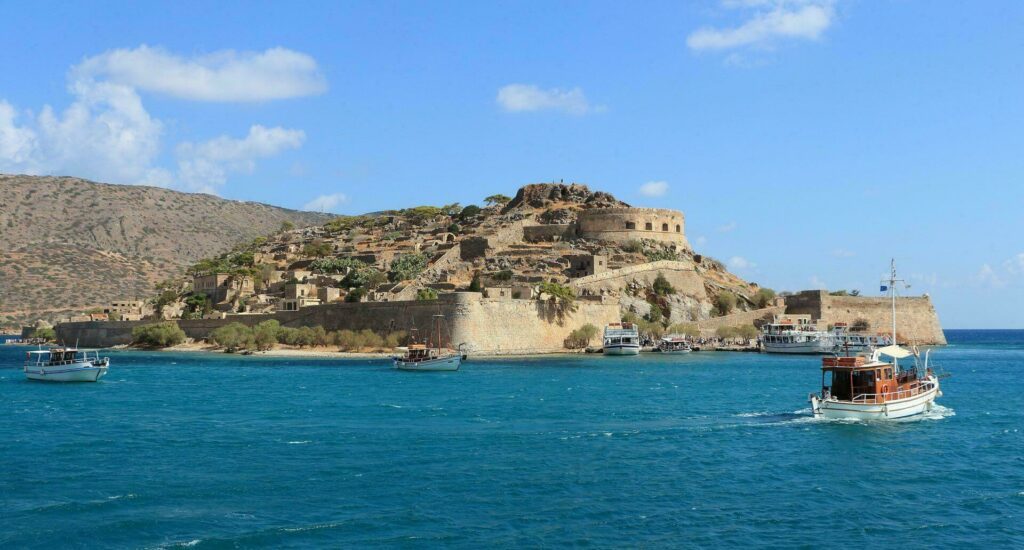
x=544, y=195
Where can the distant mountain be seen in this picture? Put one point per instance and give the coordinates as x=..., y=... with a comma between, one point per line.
x=68, y=244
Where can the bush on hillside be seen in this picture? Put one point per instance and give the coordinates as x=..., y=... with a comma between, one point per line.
x=725, y=301
x=233, y=337
x=763, y=297
x=661, y=286
x=158, y=335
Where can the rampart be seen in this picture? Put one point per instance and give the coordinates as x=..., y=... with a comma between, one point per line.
x=486, y=327
x=916, y=318
x=681, y=275
x=708, y=327
x=624, y=224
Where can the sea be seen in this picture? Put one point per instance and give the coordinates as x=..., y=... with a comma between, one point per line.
x=710, y=449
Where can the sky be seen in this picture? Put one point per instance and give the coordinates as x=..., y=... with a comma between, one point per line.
x=806, y=141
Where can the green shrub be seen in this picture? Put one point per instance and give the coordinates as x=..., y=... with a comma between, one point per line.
x=469, y=212
x=44, y=333
x=763, y=297
x=158, y=335
x=233, y=337
x=633, y=246
x=746, y=332
x=503, y=275
x=395, y=339
x=661, y=286
x=725, y=333
x=407, y=266
x=497, y=199
x=476, y=285
x=265, y=334
x=725, y=301
x=581, y=337
x=335, y=265
x=425, y=294
x=317, y=248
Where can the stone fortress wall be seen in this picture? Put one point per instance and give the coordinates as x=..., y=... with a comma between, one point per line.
x=624, y=223
x=485, y=326
x=916, y=319
x=681, y=275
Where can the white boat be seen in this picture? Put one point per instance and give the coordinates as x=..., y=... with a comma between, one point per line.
x=848, y=342
x=870, y=388
x=65, y=365
x=429, y=356
x=621, y=339
x=783, y=336
x=674, y=344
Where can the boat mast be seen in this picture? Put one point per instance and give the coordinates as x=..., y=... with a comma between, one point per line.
x=890, y=285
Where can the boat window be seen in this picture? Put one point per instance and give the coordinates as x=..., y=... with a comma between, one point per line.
x=841, y=385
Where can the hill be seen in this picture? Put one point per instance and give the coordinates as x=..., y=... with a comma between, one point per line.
x=68, y=244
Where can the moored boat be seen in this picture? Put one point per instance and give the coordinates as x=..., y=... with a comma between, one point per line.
x=65, y=365
x=429, y=356
x=673, y=344
x=621, y=339
x=785, y=336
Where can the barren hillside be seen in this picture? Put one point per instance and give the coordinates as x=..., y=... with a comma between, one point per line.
x=67, y=244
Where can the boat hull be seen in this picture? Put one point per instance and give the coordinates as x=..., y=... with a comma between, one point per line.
x=898, y=408
x=622, y=350
x=86, y=372
x=817, y=347
x=451, y=363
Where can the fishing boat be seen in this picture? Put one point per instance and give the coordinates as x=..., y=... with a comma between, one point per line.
x=673, y=344
x=432, y=355
x=65, y=365
x=785, y=336
x=876, y=386
x=621, y=339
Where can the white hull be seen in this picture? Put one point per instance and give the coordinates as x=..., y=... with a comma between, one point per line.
x=898, y=408
x=450, y=363
x=622, y=350
x=80, y=372
x=675, y=352
x=817, y=347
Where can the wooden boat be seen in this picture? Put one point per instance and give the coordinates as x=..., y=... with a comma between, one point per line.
x=870, y=388
x=673, y=344
x=429, y=356
x=65, y=365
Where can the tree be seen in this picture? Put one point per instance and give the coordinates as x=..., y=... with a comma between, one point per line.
x=763, y=297
x=355, y=295
x=661, y=286
x=318, y=248
x=407, y=266
x=233, y=337
x=287, y=225
x=587, y=332
x=476, y=285
x=724, y=302
x=454, y=229
x=656, y=315
x=854, y=293
x=563, y=295
x=265, y=334
x=861, y=325
x=497, y=199
x=452, y=209
x=198, y=305
x=426, y=294
x=46, y=334
x=725, y=333
x=747, y=332
x=158, y=334
x=469, y=212
x=633, y=246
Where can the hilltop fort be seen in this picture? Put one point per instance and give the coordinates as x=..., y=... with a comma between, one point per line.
x=519, y=275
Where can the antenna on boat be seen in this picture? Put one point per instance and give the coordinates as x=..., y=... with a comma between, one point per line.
x=890, y=285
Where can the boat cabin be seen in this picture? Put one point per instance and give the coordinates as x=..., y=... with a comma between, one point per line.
x=59, y=356
x=858, y=380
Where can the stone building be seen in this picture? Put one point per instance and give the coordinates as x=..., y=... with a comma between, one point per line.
x=587, y=264
x=623, y=224
x=221, y=287
x=127, y=310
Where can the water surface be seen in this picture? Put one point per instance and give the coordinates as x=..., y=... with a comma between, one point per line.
x=709, y=449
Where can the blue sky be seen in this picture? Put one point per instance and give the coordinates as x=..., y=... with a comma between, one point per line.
x=807, y=141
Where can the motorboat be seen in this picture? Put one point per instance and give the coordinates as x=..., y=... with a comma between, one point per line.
x=673, y=344
x=432, y=355
x=65, y=365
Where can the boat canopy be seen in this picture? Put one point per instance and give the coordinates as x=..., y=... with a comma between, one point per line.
x=894, y=351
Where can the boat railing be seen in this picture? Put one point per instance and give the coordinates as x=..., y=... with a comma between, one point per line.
x=903, y=393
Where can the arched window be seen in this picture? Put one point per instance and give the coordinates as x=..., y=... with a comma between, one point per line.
x=630, y=225
x=664, y=227
x=649, y=226
x=679, y=228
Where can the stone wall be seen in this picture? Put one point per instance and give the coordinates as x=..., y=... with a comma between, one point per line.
x=624, y=224
x=549, y=233
x=916, y=318
x=709, y=326
x=486, y=327
x=680, y=275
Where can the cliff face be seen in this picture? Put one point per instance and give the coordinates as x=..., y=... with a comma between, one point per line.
x=67, y=244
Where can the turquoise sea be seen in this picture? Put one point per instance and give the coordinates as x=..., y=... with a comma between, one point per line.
x=710, y=449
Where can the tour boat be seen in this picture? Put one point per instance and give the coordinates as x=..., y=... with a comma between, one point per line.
x=621, y=339
x=65, y=365
x=849, y=342
x=429, y=356
x=870, y=388
x=673, y=344
x=782, y=336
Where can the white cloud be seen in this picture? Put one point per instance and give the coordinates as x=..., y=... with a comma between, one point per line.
x=817, y=283
x=701, y=240
x=654, y=188
x=225, y=75
x=988, y=277
x=1015, y=265
x=731, y=226
x=770, y=22
x=739, y=262
x=842, y=253
x=326, y=203
x=205, y=166
x=516, y=98
x=105, y=134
